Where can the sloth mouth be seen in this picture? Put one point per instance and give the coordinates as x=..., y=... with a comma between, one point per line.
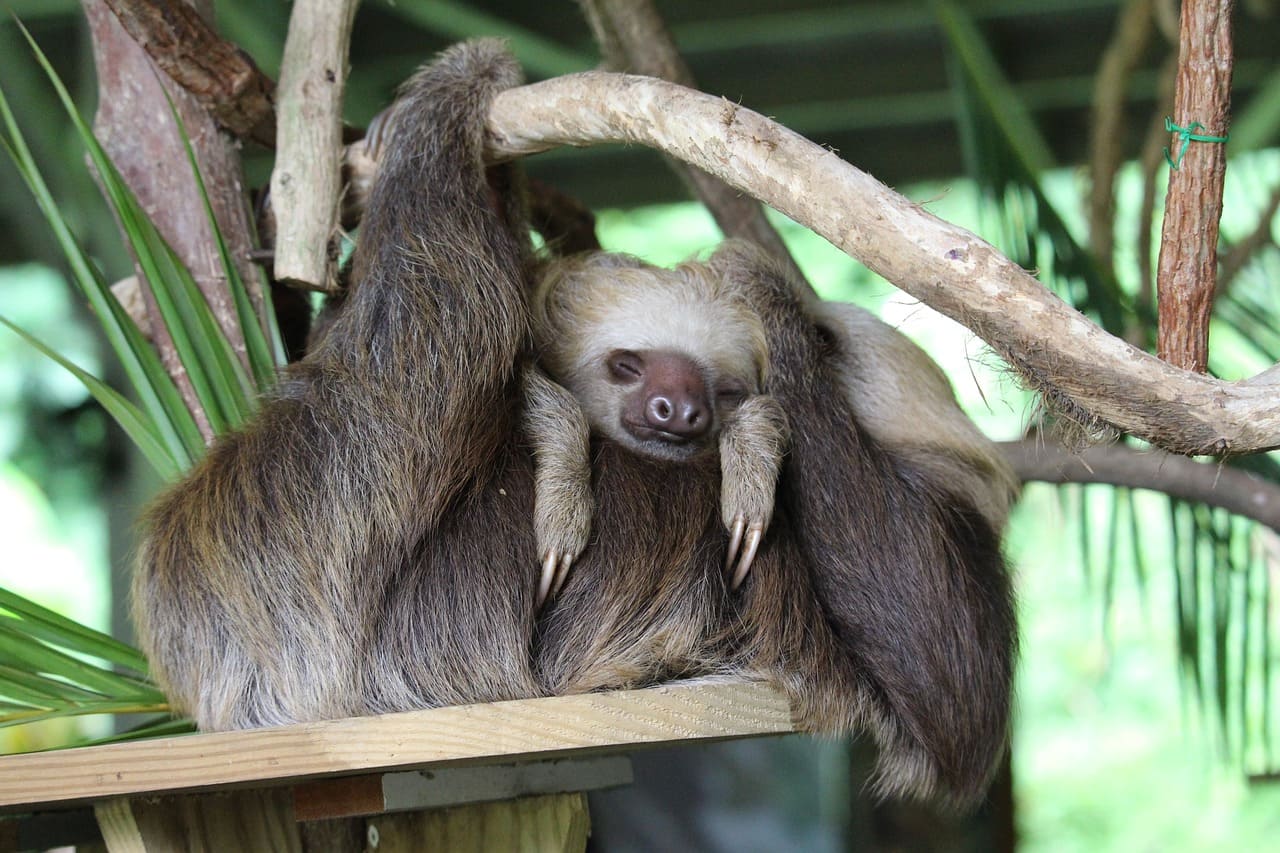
x=648, y=433
x=661, y=444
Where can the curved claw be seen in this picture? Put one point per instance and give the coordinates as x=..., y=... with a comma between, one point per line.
x=754, y=535
x=735, y=541
x=562, y=573
x=547, y=577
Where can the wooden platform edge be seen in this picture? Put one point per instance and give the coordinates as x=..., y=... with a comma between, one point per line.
x=501, y=732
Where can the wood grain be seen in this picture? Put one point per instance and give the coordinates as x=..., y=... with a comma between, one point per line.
x=477, y=734
x=260, y=821
x=557, y=823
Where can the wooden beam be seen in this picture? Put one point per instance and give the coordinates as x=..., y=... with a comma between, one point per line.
x=444, y=787
x=597, y=723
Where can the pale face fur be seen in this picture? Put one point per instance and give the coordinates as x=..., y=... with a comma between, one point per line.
x=589, y=309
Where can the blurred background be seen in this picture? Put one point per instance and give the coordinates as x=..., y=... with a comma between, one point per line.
x=1146, y=715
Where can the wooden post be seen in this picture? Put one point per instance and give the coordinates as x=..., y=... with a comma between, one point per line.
x=557, y=823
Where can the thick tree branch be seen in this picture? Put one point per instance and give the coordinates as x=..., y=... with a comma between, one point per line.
x=216, y=72
x=1061, y=353
x=132, y=92
x=1189, y=239
x=306, y=182
x=634, y=39
x=1210, y=483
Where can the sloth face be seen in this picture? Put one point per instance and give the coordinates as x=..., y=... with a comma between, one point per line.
x=657, y=358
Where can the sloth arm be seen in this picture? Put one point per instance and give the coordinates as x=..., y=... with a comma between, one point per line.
x=557, y=429
x=753, y=442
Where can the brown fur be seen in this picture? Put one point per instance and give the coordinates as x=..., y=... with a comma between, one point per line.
x=588, y=307
x=879, y=598
x=295, y=573
x=368, y=543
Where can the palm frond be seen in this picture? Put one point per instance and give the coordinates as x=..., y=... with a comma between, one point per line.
x=1008, y=156
x=1221, y=578
x=51, y=666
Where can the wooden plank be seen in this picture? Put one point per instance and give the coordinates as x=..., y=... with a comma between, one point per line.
x=455, y=786
x=557, y=823
x=501, y=732
x=443, y=787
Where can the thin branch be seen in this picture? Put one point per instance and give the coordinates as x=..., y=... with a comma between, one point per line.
x=1188, y=265
x=1119, y=61
x=1211, y=483
x=633, y=38
x=219, y=74
x=1150, y=161
x=1079, y=367
x=306, y=181
x=1235, y=258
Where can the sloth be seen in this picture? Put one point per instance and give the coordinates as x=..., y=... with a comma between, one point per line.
x=670, y=364
x=368, y=542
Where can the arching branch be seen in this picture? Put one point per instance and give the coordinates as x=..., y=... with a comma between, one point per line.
x=1232, y=489
x=1079, y=367
x=634, y=38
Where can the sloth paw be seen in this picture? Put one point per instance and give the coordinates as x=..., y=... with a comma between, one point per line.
x=562, y=527
x=744, y=541
x=752, y=445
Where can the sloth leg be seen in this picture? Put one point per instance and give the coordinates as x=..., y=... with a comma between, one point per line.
x=906, y=403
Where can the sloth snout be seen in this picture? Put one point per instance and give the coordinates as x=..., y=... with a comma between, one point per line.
x=680, y=414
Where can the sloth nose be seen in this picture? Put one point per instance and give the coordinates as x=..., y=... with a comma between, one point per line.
x=678, y=413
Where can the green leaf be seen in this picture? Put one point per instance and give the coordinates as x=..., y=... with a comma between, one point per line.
x=20, y=650
x=165, y=726
x=215, y=373
x=73, y=635
x=128, y=416
x=264, y=357
x=37, y=691
x=105, y=707
x=159, y=396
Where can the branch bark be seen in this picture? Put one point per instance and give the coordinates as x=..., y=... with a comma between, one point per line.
x=1091, y=375
x=1210, y=483
x=132, y=92
x=634, y=39
x=216, y=72
x=1099, y=378
x=1193, y=206
x=306, y=182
